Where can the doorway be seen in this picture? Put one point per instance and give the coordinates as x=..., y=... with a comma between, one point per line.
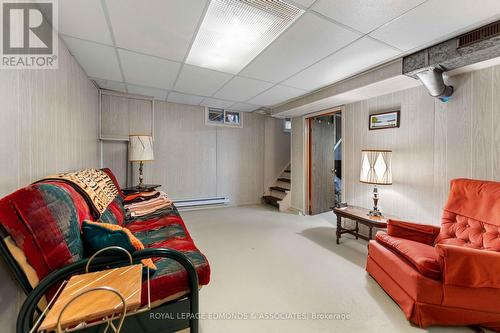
x=325, y=161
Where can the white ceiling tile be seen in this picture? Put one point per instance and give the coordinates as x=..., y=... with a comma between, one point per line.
x=275, y=95
x=216, y=103
x=84, y=19
x=244, y=107
x=200, y=81
x=353, y=59
x=147, y=70
x=157, y=27
x=364, y=15
x=309, y=40
x=437, y=20
x=180, y=98
x=303, y=3
x=147, y=91
x=240, y=89
x=97, y=60
x=110, y=85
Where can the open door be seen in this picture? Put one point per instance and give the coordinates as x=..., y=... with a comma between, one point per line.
x=324, y=162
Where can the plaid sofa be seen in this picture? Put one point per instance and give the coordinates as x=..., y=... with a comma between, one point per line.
x=44, y=220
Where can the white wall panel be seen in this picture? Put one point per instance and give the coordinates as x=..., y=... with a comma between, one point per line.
x=435, y=143
x=185, y=151
x=410, y=196
x=240, y=160
x=48, y=124
x=276, y=150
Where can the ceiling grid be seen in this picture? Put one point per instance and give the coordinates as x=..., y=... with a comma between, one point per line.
x=330, y=41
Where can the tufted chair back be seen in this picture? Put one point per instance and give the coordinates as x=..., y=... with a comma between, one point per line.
x=471, y=217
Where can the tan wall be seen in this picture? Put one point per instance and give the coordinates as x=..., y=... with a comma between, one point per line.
x=193, y=160
x=435, y=143
x=277, y=150
x=298, y=166
x=48, y=124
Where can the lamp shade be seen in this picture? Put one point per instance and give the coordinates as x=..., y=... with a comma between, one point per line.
x=376, y=167
x=140, y=148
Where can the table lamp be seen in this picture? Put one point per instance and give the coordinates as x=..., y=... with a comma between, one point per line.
x=140, y=149
x=376, y=169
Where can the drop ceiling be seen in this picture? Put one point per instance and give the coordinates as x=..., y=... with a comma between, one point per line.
x=142, y=47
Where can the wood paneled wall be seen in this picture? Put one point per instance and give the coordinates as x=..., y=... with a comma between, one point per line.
x=298, y=184
x=277, y=150
x=435, y=143
x=48, y=124
x=193, y=160
x=185, y=151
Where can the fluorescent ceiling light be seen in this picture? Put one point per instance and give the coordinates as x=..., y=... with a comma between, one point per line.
x=233, y=32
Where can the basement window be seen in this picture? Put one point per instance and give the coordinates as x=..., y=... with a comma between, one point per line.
x=287, y=125
x=221, y=117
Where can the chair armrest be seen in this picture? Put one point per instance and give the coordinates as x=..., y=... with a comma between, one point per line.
x=468, y=267
x=421, y=233
x=26, y=318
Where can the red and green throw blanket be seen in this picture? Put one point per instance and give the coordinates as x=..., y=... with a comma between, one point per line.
x=95, y=185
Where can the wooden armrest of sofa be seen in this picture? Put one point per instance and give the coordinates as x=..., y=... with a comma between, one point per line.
x=421, y=233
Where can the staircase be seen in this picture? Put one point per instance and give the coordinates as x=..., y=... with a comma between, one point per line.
x=278, y=194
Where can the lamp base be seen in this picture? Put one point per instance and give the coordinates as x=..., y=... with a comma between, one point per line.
x=375, y=212
x=141, y=175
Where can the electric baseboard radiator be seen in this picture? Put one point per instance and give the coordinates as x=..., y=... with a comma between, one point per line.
x=201, y=202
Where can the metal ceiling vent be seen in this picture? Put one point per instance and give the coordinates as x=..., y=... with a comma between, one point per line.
x=478, y=35
x=432, y=78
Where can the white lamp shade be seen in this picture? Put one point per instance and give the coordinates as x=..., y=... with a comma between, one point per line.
x=376, y=167
x=140, y=148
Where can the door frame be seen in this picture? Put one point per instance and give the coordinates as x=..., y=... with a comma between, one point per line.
x=308, y=156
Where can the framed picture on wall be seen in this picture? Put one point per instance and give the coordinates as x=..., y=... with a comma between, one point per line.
x=384, y=120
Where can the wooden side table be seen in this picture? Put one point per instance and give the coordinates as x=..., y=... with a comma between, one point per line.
x=136, y=189
x=359, y=215
x=96, y=301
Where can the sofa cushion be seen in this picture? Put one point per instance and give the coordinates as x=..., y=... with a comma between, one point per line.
x=44, y=221
x=471, y=216
x=465, y=231
x=423, y=257
x=169, y=231
x=115, y=213
x=404, y=274
x=155, y=233
x=98, y=235
x=96, y=186
x=114, y=180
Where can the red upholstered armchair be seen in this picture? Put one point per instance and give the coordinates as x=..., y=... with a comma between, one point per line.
x=448, y=275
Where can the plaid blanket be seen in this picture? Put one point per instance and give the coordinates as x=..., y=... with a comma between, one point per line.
x=96, y=186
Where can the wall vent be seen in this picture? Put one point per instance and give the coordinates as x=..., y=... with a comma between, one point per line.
x=478, y=35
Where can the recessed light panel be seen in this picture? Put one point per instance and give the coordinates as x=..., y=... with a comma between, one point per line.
x=233, y=32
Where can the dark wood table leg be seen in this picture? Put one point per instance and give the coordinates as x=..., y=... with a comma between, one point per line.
x=339, y=227
x=357, y=229
x=370, y=234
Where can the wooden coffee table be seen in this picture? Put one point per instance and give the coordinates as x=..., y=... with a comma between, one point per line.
x=100, y=303
x=359, y=215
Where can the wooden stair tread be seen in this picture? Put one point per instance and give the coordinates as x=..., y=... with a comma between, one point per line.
x=273, y=201
x=279, y=189
x=284, y=180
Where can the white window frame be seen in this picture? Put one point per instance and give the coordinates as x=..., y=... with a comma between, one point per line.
x=287, y=130
x=223, y=123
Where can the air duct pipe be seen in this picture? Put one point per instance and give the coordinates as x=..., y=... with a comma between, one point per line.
x=433, y=80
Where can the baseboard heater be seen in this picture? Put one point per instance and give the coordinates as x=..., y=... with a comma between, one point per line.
x=201, y=202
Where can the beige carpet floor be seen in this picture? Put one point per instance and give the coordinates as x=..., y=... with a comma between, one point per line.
x=278, y=272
